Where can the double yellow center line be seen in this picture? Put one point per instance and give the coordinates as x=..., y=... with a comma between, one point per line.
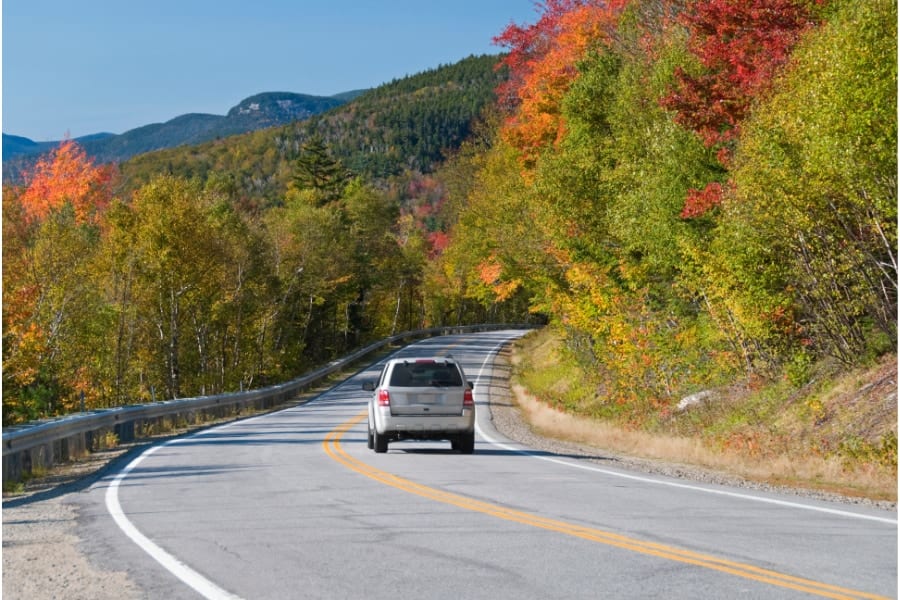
x=334, y=449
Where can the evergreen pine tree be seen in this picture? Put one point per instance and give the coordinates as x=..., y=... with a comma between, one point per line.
x=317, y=170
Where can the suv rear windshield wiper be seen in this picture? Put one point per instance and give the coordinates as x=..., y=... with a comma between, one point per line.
x=443, y=383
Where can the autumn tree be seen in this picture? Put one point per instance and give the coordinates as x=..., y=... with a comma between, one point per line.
x=189, y=283
x=53, y=309
x=739, y=46
x=810, y=238
x=67, y=176
x=609, y=197
x=542, y=62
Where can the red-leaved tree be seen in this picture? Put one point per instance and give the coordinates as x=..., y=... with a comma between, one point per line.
x=740, y=44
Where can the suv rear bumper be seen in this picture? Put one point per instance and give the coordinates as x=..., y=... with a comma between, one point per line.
x=424, y=427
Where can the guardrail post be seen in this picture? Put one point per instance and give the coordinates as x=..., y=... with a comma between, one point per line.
x=40, y=457
x=124, y=431
x=100, y=438
x=60, y=451
x=13, y=466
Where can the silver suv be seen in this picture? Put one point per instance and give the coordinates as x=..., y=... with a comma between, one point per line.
x=421, y=399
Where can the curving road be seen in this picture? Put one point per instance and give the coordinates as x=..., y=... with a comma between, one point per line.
x=293, y=505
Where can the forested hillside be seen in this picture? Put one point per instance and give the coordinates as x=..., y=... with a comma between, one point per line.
x=692, y=193
x=408, y=124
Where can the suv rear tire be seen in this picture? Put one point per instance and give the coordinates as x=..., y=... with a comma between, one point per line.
x=380, y=442
x=466, y=443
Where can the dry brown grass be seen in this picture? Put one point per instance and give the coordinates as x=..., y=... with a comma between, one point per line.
x=804, y=440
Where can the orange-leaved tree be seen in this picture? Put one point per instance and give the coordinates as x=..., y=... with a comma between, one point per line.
x=52, y=302
x=542, y=63
x=67, y=175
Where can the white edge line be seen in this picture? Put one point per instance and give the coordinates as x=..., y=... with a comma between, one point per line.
x=685, y=486
x=192, y=578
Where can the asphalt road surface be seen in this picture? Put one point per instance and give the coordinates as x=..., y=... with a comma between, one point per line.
x=293, y=505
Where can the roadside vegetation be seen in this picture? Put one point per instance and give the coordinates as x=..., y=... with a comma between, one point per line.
x=837, y=433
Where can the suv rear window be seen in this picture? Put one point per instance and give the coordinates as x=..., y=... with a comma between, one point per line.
x=425, y=374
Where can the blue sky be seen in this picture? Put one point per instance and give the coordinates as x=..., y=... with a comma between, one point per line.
x=80, y=67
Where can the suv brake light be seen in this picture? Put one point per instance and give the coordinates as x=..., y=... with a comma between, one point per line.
x=384, y=397
x=468, y=398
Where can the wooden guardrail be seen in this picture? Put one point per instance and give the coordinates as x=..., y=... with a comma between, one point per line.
x=41, y=444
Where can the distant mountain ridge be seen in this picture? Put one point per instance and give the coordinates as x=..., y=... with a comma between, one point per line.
x=411, y=124
x=16, y=145
x=264, y=110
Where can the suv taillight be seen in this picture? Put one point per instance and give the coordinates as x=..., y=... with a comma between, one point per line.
x=384, y=398
x=468, y=399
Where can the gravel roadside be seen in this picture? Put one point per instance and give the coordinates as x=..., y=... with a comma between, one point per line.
x=42, y=559
x=41, y=555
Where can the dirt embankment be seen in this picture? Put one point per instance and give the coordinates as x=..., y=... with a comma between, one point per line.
x=837, y=435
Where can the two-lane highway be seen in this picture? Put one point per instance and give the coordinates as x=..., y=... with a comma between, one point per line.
x=293, y=505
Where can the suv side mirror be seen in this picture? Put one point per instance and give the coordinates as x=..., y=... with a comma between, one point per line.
x=369, y=386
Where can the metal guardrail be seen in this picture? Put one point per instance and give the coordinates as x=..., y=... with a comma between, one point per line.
x=44, y=443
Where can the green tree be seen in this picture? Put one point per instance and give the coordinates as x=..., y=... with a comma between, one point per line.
x=495, y=259
x=317, y=170
x=191, y=285
x=314, y=270
x=814, y=212
x=381, y=270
